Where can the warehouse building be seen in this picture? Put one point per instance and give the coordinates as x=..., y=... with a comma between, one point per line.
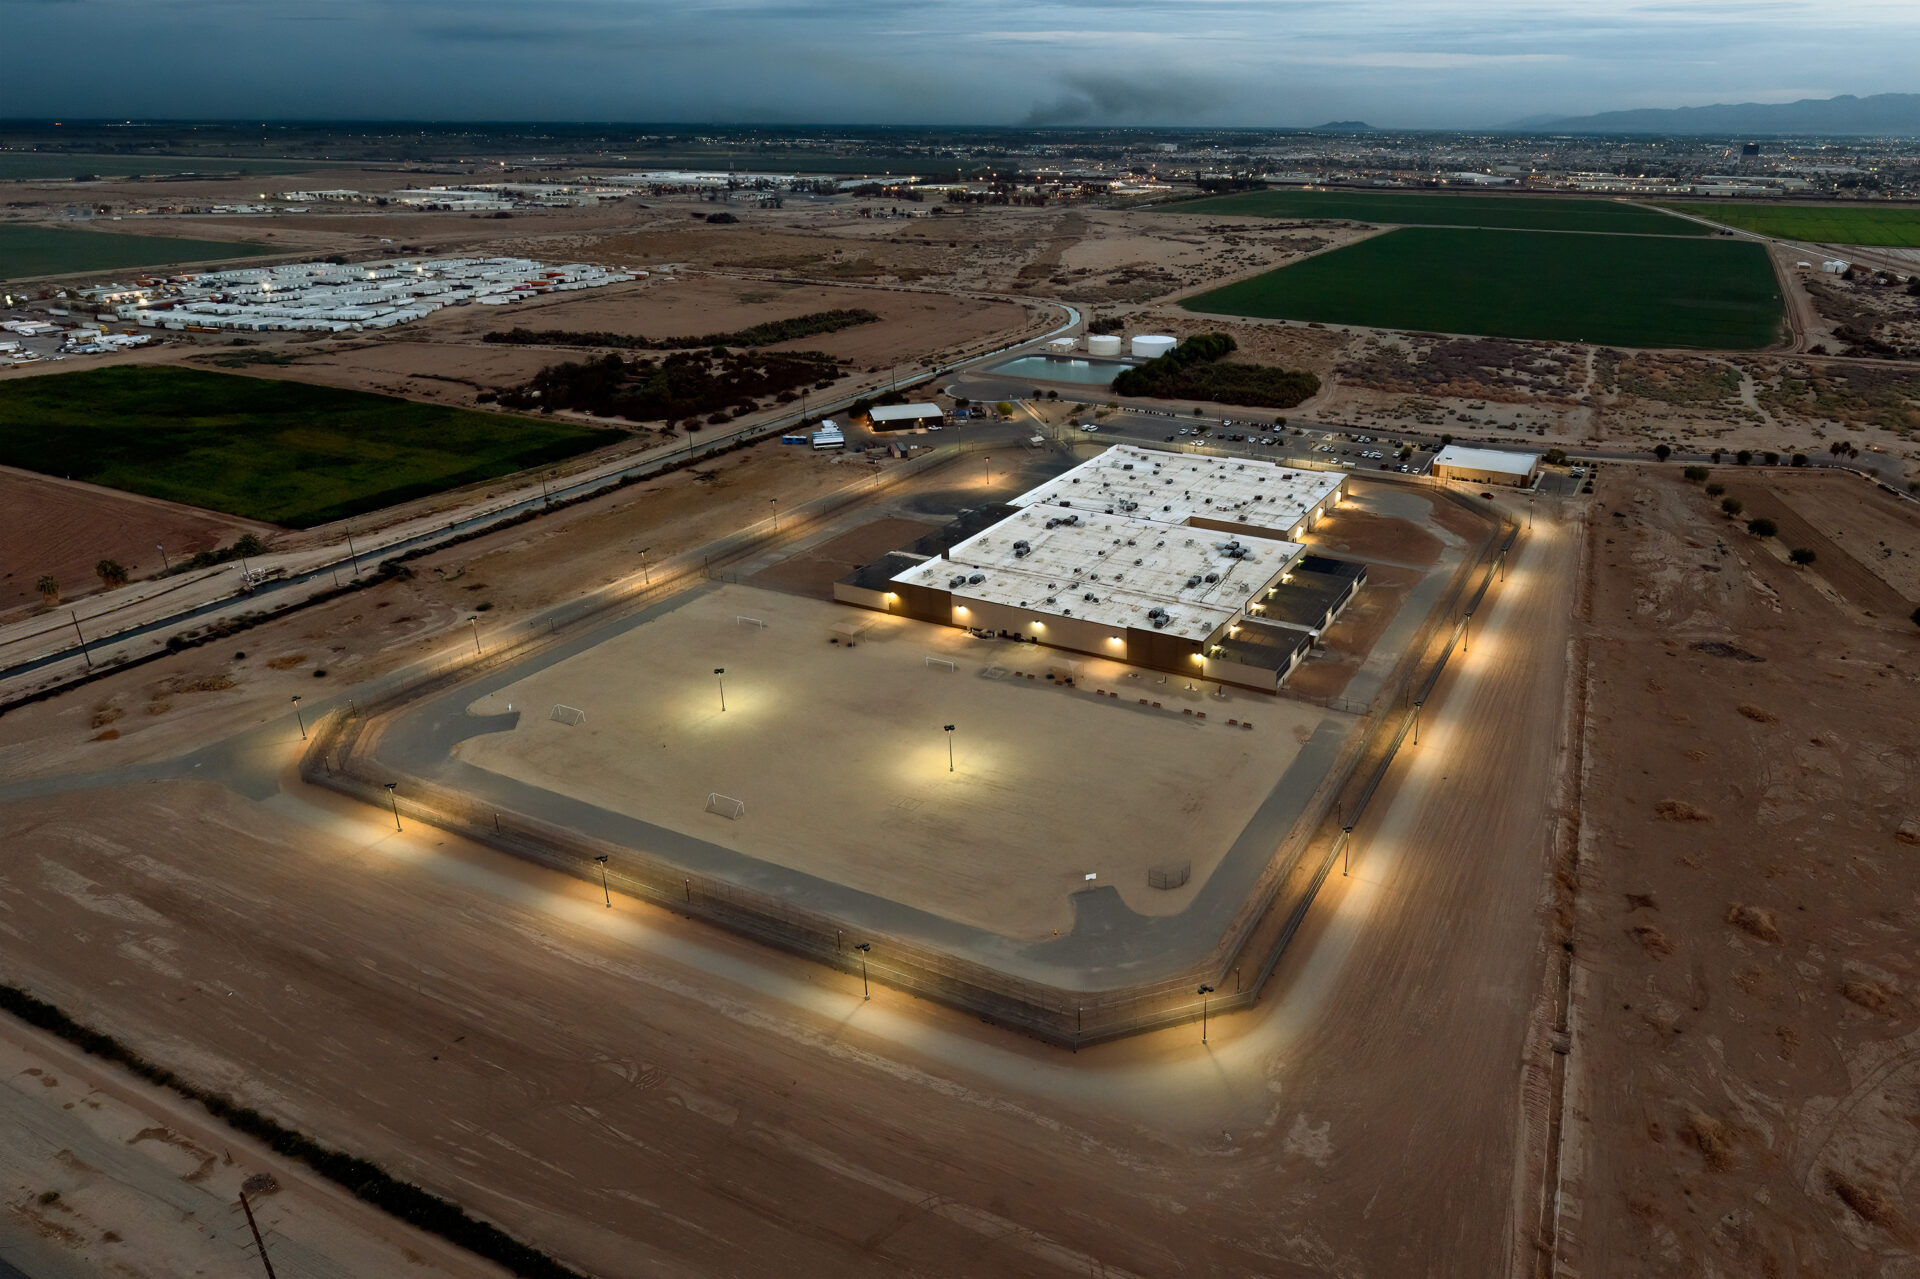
x=1173, y=562
x=1486, y=466
x=905, y=417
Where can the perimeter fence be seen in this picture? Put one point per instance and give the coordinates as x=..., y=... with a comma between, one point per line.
x=341, y=756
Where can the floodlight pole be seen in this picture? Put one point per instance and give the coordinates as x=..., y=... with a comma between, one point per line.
x=1346, y=850
x=473, y=620
x=719, y=677
x=1416, y=721
x=949, y=732
x=646, y=573
x=1204, y=992
x=776, y=513
x=394, y=798
x=604, y=891
x=299, y=718
x=866, y=991
x=165, y=565
x=1466, y=630
x=353, y=554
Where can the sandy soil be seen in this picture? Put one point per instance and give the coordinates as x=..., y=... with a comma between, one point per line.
x=1860, y=523
x=513, y=573
x=838, y=754
x=645, y=1095
x=1747, y=1037
x=105, y=1175
x=912, y=324
x=52, y=526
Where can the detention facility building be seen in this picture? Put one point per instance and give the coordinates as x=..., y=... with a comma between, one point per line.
x=1487, y=466
x=1182, y=563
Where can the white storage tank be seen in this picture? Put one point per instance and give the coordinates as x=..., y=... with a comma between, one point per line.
x=1153, y=345
x=1103, y=344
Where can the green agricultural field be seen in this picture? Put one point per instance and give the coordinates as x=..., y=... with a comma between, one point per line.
x=18, y=166
x=1819, y=223
x=1396, y=208
x=1617, y=290
x=43, y=250
x=282, y=452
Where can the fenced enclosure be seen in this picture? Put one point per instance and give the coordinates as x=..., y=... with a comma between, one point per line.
x=1253, y=942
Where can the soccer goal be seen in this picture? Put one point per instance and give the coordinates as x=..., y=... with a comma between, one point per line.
x=754, y=622
x=571, y=716
x=941, y=663
x=726, y=806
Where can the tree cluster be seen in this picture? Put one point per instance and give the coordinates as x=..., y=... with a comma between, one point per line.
x=715, y=384
x=1194, y=370
x=800, y=326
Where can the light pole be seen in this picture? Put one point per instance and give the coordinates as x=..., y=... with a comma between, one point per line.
x=989, y=462
x=165, y=565
x=1416, y=721
x=604, y=891
x=776, y=513
x=719, y=677
x=1466, y=630
x=1529, y=512
x=1204, y=992
x=473, y=620
x=352, y=554
x=298, y=718
x=395, y=800
x=949, y=732
x=646, y=573
x=1346, y=850
x=866, y=991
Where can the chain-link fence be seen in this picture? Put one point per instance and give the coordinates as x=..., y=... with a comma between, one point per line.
x=341, y=756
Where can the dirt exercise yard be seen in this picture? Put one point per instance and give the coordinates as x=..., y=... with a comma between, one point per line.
x=836, y=747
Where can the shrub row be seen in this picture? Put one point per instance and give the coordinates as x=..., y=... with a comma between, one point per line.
x=800, y=326
x=366, y=1180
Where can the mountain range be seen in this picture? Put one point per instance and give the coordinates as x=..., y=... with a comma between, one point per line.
x=1882, y=113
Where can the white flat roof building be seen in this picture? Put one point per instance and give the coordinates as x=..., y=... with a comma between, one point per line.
x=906, y=413
x=1053, y=564
x=1486, y=466
x=1231, y=494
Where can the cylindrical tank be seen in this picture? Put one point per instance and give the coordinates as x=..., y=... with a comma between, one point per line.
x=1103, y=344
x=1152, y=345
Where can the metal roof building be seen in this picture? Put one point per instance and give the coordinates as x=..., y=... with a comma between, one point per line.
x=1486, y=466
x=1155, y=559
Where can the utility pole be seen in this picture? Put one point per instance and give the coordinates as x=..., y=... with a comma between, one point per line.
x=1204, y=992
x=83, y=639
x=352, y=554
x=866, y=992
x=260, y=1245
x=395, y=798
x=165, y=565
x=299, y=718
x=604, y=891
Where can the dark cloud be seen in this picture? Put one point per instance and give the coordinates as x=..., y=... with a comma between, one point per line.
x=1126, y=99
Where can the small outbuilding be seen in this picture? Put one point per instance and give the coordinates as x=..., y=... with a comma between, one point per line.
x=1486, y=466
x=906, y=417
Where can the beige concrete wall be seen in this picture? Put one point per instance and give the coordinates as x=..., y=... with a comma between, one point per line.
x=1473, y=476
x=860, y=596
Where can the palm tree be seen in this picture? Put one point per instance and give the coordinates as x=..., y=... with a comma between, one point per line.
x=112, y=573
x=49, y=588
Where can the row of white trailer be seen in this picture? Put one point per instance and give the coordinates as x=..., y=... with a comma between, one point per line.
x=332, y=298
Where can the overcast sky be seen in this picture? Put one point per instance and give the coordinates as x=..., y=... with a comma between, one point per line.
x=1415, y=63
